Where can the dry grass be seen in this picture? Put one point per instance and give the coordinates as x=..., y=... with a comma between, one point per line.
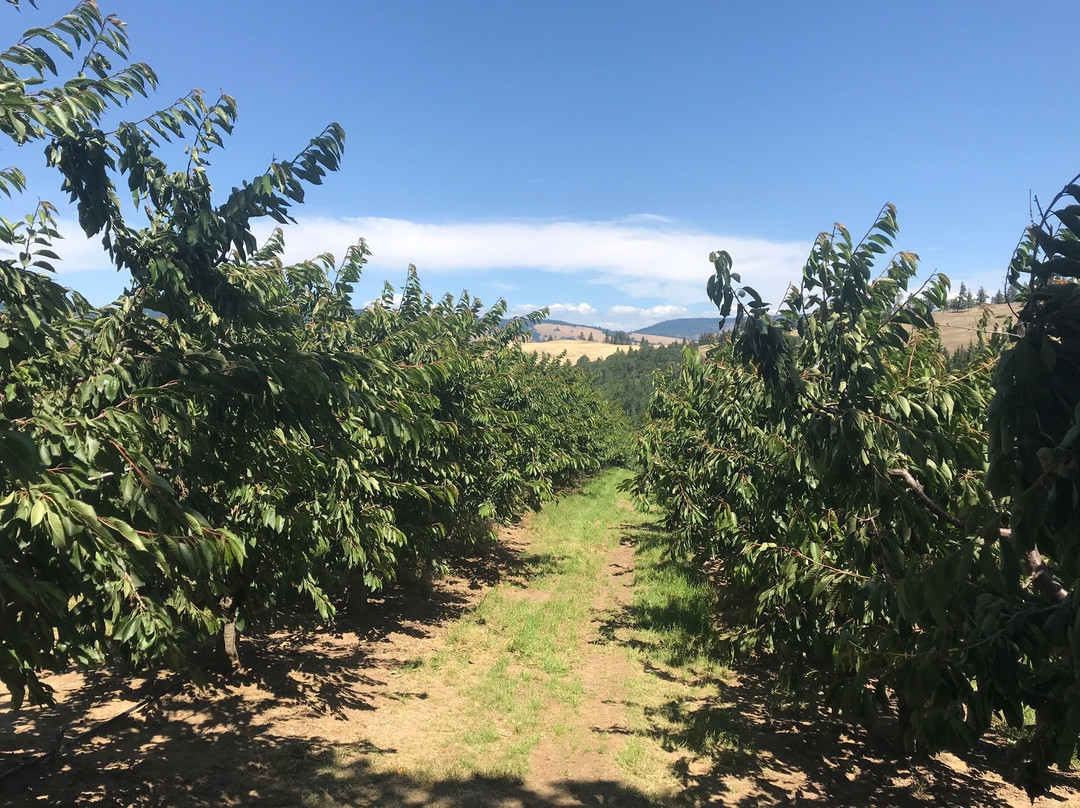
x=575, y=349
x=960, y=328
x=551, y=331
x=559, y=667
x=567, y=332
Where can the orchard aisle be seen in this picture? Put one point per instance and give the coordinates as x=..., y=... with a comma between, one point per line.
x=566, y=665
x=507, y=683
x=532, y=698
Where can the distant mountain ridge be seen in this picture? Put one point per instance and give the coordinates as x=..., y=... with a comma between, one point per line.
x=688, y=328
x=684, y=327
x=957, y=328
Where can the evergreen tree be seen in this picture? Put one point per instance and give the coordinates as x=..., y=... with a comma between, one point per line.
x=961, y=301
x=627, y=377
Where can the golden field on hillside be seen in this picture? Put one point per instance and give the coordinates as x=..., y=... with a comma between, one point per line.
x=958, y=328
x=575, y=348
x=570, y=333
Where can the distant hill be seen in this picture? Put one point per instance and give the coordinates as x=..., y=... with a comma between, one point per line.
x=957, y=330
x=562, y=330
x=575, y=349
x=553, y=330
x=683, y=328
x=549, y=330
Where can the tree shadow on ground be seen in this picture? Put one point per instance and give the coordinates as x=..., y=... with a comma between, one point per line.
x=221, y=762
x=750, y=753
x=219, y=751
x=737, y=746
x=747, y=748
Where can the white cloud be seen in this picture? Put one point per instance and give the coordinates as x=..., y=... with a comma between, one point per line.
x=641, y=256
x=632, y=317
x=557, y=311
x=77, y=252
x=653, y=259
x=396, y=301
x=646, y=218
x=652, y=311
x=616, y=317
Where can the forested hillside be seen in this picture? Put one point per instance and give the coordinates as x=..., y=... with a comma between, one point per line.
x=690, y=328
x=629, y=377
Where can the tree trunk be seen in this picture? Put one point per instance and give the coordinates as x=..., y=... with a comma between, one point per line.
x=230, y=637
x=358, y=592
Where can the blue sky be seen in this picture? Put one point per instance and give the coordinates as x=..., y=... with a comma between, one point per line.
x=588, y=156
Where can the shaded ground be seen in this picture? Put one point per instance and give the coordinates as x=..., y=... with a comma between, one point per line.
x=739, y=746
x=270, y=736
x=357, y=716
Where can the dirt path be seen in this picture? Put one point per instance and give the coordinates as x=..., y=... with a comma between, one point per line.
x=381, y=710
x=539, y=673
x=559, y=766
x=270, y=737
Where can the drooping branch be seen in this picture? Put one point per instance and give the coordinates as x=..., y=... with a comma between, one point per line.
x=1043, y=580
x=915, y=487
x=1041, y=577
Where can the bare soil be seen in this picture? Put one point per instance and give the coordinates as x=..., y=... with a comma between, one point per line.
x=581, y=768
x=328, y=718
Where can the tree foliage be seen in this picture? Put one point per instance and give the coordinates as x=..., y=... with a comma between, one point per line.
x=229, y=434
x=1033, y=426
x=837, y=470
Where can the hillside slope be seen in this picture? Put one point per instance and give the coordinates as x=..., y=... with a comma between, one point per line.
x=959, y=328
x=568, y=331
x=684, y=327
x=575, y=349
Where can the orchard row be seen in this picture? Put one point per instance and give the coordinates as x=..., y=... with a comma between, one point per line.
x=898, y=533
x=230, y=437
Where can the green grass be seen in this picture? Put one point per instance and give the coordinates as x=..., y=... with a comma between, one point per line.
x=631, y=757
x=510, y=673
x=674, y=608
x=512, y=659
x=672, y=636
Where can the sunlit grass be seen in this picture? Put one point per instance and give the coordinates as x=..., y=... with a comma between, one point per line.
x=512, y=661
x=510, y=674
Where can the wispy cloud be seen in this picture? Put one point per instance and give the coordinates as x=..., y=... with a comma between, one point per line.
x=642, y=256
x=651, y=312
x=631, y=317
x=617, y=317
x=77, y=252
x=555, y=310
x=645, y=257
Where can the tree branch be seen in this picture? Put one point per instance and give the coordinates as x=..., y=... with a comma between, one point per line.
x=1041, y=577
x=1043, y=580
x=915, y=487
